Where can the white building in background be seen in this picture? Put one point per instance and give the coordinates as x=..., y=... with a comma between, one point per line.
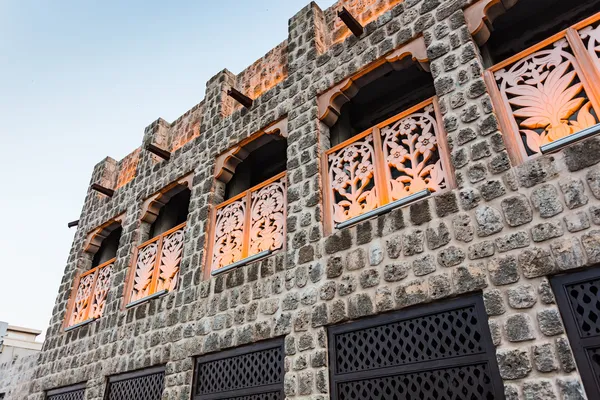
x=17, y=342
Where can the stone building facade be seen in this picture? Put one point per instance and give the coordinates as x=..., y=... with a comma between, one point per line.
x=504, y=228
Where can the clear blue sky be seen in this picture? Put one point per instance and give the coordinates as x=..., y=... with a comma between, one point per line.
x=79, y=81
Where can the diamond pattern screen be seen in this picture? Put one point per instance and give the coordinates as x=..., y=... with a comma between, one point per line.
x=471, y=382
x=422, y=354
x=449, y=334
x=585, y=302
x=594, y=357
x=251, y=373
x=142, y=387
x=74, y=395
x=578, y=299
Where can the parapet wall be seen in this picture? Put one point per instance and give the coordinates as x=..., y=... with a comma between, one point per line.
x=259, y=78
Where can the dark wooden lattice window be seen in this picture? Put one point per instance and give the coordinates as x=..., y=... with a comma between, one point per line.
x=75, y=392
x=147, y=384
x=247, y=373
x=439, y=351
x=578, y=298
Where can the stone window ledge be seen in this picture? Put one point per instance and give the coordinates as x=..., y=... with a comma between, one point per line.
x=79, y=325
x=147, y=298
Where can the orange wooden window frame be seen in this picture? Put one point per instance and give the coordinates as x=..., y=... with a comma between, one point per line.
x=589, y=77
x=247, y=194
x=379, y=162
x=73, y=296
x=156, y=268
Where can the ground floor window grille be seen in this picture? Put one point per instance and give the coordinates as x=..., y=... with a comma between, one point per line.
x=146, y=384
x=247, y=373
x=75, y=392
x=578, y=299
x=439, y=351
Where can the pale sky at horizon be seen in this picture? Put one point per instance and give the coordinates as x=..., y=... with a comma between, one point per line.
x=79, y=81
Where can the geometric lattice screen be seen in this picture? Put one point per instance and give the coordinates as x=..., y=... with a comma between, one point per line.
x=76, y=392
x=247, y=373
x=578, y=299
x=440, y=351
x=147, y=384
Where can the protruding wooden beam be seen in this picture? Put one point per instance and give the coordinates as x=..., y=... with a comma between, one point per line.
x=73, y=224
x=355, y=27
x=157, y=151
x=101, y=189
x=240, y=97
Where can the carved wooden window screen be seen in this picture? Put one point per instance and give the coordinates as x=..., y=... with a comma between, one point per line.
x=156, y=264
x=90, y=295
x=578, y=299
x=401, y=156
x=75, y=392
x=438, y=351
x=147, y=384
x=248, y=373
x=548, y=91
x=250, y=223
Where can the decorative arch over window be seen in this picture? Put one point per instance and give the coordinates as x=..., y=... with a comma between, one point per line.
x=249, y=224
x=330, y=102
x=389, y=147
x=88, y=298
x=156, y=262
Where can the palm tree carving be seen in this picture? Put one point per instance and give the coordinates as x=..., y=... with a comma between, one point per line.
x=546, y=97
x=144, y=269
x=170, y=258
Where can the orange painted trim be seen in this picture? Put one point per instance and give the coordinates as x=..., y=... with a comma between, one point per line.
x=582, y=64
x=328, y=225
x=129, y=279
x=349, y=141
x=380, y=175
x=380, y=168
x=252, y=189
x=405, y=113
x=156, y=272
x=590, y=76
x=444, y=147
x=247, y=221
x=517, y=57
x=247, y=225
x=76, y=281
x=71, y=302
x=508, y=126
x=586, y=22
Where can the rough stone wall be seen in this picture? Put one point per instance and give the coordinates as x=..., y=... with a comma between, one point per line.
x=263, y=74
x=503, y=231
x=15, y=377
x=365, y=11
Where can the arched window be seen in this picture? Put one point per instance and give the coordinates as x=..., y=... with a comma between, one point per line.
x=387, y=142
x=543, y=72
x=91, y=287
x=249, y=222
x=155, y=267
x=174, y=213
x=108, y=248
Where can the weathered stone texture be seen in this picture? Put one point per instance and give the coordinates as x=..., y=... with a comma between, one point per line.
x=500, y=232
